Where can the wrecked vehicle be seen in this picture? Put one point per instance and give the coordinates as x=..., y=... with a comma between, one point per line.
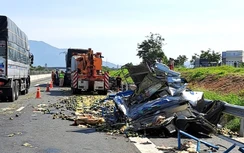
x=163, y=102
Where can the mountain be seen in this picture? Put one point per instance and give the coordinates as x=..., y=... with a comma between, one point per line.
x=110, y=65
x=52, y=56
x=46, y=54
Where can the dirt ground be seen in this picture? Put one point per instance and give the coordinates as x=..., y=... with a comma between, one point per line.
x=224, y=85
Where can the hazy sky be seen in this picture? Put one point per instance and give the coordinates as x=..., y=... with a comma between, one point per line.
x=115, y=27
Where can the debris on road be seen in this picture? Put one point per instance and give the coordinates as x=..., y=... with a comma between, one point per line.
x=227, y=132
x=27, y=145
x=13, y=134
x=164, y=148
x=42, y=108
x=189, y=146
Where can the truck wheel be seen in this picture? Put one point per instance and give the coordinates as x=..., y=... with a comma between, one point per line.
x=16, y=90
x=11, y=98
x=103, y=92
x=23, y=92
x=73, y=91
x=26, y=88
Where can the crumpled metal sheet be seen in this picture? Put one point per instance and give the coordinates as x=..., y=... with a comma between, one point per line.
x=162, y=101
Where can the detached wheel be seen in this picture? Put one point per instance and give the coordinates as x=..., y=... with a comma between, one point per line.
x=11, y=98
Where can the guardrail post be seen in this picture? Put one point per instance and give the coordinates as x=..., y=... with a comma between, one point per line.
x=242, y=127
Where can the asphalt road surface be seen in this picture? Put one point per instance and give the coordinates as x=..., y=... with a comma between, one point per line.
x=23, y=130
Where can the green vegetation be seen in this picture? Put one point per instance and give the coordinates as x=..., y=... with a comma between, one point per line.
x=151, y=49
x=121, y=72
x=233, y=123
x=229, y=98
x=37, y=68
x=210, y=55
x=198, y=74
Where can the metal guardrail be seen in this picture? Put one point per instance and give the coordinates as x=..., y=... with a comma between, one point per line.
x=234, y=110
x=40, y=72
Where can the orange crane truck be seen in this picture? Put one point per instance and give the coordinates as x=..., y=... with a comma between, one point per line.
x=86, y=73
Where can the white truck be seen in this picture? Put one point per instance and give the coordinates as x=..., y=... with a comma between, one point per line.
x=15, y=61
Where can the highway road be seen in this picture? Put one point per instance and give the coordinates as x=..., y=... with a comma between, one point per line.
x=23, y=130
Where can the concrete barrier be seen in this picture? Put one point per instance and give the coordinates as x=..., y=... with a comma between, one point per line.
x=40, y=76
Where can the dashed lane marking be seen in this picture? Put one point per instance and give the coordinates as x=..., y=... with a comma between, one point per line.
x=144, y=145
x=20, y=109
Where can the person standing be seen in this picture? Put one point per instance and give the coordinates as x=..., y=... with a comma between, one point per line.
x=171, y=64
x=61, y=79
x=53, y=77
x=57, y=78
x=118, y=82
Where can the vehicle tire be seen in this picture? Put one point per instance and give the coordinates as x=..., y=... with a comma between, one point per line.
x=26, y=88
x=16, y=90
x=26, y=91
x=11, y=98
x=23, y=92
x=102, y=92
x=73, y=91
x=29, y=82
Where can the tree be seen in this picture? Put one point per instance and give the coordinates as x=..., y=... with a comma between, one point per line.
x=151, y=49
x=193, y=58
x=180, y=60
x=210, y=55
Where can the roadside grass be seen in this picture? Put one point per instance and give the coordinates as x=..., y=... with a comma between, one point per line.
x=229, y=98
x=197, y=74
x=122, y=73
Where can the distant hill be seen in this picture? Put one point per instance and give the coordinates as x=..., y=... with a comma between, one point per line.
x=45, y=53
x=110, y=65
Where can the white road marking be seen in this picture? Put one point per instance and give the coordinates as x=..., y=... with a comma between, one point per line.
x=36, y=85
x=6, y=109
x=144, y=145
x=20, y=109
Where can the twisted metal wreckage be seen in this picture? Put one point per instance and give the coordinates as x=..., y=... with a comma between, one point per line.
x=162, y=102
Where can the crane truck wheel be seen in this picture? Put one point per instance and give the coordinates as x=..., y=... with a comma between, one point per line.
x=104, y=92
x=73, y=90
x=16, y=90
x=11, y=98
